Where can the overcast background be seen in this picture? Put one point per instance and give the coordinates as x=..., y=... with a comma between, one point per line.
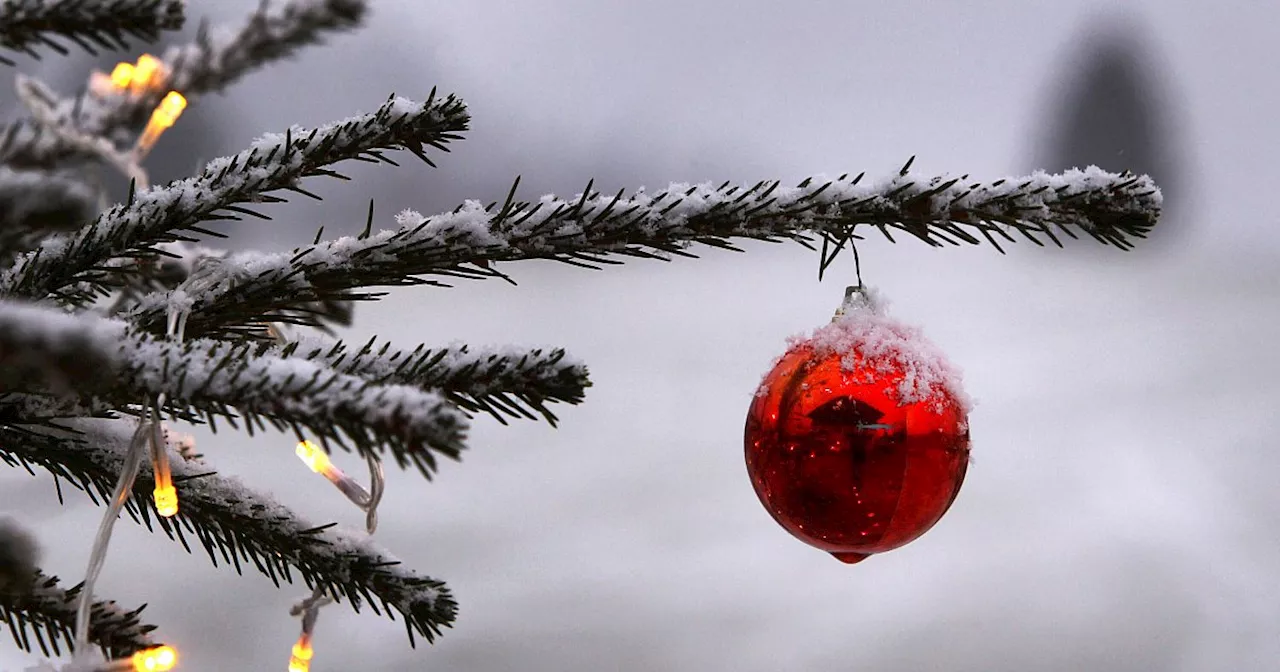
x=1121, y=512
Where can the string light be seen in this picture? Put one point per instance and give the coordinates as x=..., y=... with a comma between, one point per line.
x=318, y=461
x=166, y=496
x=166, y=501
x=300, y=658
x=309, y=610
x=162, y=118
x=154, y=659
x=315, y=458
x=122, y=75
x=148, y=73
x=158, y=659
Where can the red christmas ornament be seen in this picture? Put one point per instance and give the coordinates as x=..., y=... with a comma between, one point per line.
x=857, y=441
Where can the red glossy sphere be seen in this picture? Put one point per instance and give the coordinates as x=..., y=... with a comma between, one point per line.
x=841, y=462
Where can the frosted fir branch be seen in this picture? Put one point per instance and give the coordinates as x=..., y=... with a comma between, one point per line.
x=274, y=32
x=41, y=103
x=238, y=527
x=44, y=348
x=587, y=229
x=220, y=56
x=44, y=614
x=217, y=58
x=505, y=382
x=501, y=381
x=216, y=379
x=177, y=261
x=176, y=211
x=173, y=264
x=91, y=24
x=37, y=203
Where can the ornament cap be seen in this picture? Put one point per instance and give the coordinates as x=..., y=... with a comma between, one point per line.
x=857, y=298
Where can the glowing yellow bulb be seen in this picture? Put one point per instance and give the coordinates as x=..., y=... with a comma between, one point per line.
x=166, y=501
x=300, y=660
x=122, y=76
x=313, y=456
x=165, y=114
x=169, y=109
x=147, y=71
x=158, y=659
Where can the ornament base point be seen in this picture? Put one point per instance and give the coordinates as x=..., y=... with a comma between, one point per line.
x=849, y=557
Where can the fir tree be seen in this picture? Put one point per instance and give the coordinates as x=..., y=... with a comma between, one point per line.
x=116, y=322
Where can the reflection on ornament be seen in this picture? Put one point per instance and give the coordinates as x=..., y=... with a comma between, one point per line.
x=857, y=441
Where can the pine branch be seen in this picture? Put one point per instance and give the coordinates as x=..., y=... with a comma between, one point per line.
x=503, y=382
x=46, y=613
x=91, y=24
x=215, y=60
x=73, y=267
x=110, y=368
x=586, y=230
x=45, y=349
x=276, y=31
x=36, y=203
x=238, y=527
x=217, y=379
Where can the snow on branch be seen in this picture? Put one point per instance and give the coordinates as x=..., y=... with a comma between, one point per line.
x=585, y=230
x=36, y=203
x=274, y=32
x=27, y=24
x=44, y=348
x=46, y=613
x=501, y=381
x=216, y=59
x=239, y=527
x=72, y=266
x=220, y=379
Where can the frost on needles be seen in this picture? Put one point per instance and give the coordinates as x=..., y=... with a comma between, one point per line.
x=110, y=315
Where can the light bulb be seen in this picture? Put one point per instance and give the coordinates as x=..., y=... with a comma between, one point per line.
x=122, y=75
x=300, y=657
x=314, y=457
x=158, y=659
x=164, y=116
x=166, y=501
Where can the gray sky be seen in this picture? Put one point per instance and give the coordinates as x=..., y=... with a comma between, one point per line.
x=1120, y=512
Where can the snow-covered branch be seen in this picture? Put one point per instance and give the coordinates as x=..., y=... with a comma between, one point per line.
x=275, y=31
x=91, y=24
x=71, y=266
x=588, y=228
x=501, y=381
x=37, y=203
x=46, y=613
x=43, y=348
x=216, y=59
x=219, y=379
x=237, y=526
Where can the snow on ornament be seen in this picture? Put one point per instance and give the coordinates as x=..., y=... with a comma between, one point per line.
x=857, y=441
